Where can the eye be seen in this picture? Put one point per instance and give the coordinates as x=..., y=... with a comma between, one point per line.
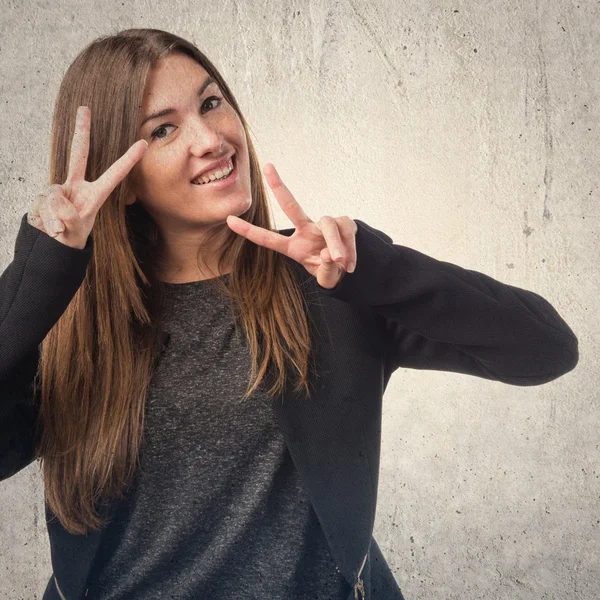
x=217, y=98
x=154, y=136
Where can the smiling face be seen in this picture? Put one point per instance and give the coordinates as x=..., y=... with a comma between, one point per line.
x=200, y=129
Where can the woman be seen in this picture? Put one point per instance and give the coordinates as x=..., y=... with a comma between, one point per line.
x=159, y=482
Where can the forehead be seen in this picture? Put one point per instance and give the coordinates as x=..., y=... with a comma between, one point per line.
x=174, y=76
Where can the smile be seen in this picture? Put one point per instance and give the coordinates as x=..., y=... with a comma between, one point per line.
x=223, y=180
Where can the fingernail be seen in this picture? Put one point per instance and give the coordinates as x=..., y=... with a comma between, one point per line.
x=351, y=268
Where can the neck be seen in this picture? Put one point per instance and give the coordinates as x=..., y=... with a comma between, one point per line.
x=180, y=262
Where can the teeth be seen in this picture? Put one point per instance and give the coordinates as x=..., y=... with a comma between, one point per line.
x=221, y=174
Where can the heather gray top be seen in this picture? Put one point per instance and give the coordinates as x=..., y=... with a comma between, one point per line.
x=217, y=510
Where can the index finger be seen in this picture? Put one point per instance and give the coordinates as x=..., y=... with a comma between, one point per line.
x=259, y=235
x=80, y=146
x=109, y=180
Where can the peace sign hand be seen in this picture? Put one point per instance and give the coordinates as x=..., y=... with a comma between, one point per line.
x=326, y=249
x=67, y=212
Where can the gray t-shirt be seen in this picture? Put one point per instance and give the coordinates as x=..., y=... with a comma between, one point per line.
x=217, y=509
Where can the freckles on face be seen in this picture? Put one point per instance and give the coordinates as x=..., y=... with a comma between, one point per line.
x=166, y=174
x=200, y=129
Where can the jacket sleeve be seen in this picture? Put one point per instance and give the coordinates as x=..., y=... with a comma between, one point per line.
x=439, y=316
x=35, y=290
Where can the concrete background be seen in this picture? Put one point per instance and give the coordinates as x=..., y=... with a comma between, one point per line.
x=466, y=130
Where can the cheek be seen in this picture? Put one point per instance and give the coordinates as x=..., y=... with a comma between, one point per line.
x=153, y=174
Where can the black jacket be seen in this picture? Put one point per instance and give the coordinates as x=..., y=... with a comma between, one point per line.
x=400, y=308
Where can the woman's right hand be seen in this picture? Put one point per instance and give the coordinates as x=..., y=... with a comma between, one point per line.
x=67, y=212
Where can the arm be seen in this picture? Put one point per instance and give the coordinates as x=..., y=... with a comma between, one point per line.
x=35, y=290
x=19, y=407
x=437, y=315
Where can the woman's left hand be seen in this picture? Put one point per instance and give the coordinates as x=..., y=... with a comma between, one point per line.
x=326, y=249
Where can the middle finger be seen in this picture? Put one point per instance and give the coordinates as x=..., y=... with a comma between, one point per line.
x=286, y=199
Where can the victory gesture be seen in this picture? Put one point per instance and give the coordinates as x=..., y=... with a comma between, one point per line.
x=326, y=249
x=67, y=212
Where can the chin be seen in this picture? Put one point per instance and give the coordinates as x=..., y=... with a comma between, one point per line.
x=243, y=207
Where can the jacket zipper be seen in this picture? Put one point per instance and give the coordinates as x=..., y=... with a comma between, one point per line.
x=359, y=586
x=58, y=589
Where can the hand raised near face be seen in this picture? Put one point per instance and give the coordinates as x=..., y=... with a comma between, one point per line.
x=326, y=249
x=67, y=211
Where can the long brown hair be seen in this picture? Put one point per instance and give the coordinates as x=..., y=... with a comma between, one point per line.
x=97, y=361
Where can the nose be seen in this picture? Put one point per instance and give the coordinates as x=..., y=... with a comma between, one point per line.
x=203, y=138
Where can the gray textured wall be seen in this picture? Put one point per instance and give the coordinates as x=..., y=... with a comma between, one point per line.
x=466, y=130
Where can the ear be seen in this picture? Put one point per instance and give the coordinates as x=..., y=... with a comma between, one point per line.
x=130, y=199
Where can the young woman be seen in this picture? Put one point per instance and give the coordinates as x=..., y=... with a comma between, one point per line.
x=181, y=459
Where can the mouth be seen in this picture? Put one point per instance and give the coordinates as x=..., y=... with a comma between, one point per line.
x=221, y=182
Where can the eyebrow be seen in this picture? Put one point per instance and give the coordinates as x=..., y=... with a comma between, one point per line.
x=170, y=111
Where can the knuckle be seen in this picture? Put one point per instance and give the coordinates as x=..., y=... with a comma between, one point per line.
x=54, y=188
x=35, y=205
x=68, y=214
x=110, y=180
x=351, y=224
x=57, y=201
